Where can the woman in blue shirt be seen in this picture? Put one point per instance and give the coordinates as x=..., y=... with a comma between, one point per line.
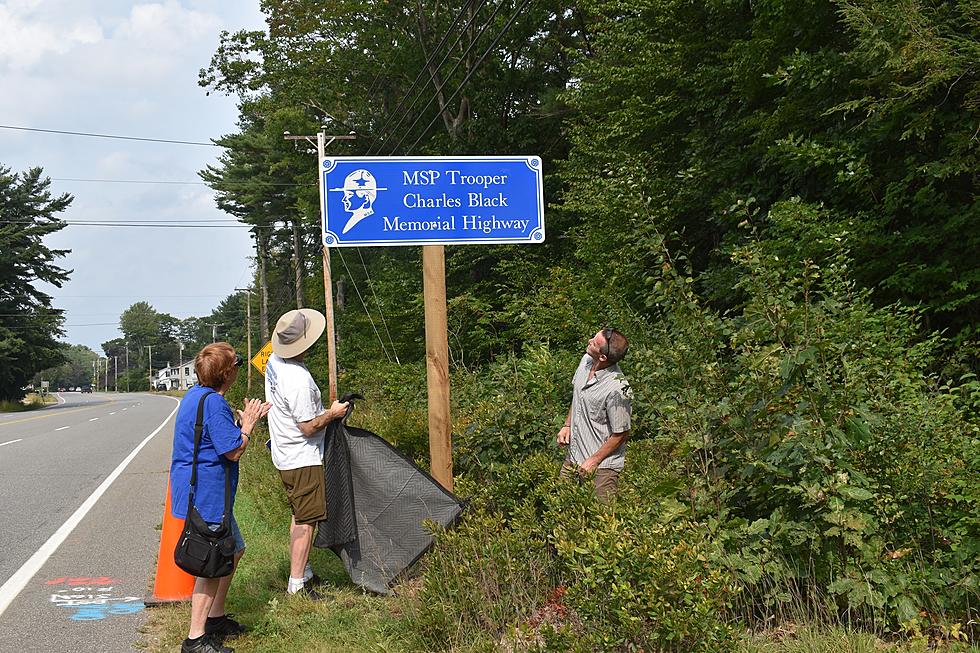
x=222, y=444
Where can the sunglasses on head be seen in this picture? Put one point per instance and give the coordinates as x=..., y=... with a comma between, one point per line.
x=239, y=361
x=607, y=333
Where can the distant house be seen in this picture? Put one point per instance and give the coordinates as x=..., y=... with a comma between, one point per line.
x=175, y=377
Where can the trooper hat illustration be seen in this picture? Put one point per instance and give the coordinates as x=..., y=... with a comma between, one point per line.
x=360, y=190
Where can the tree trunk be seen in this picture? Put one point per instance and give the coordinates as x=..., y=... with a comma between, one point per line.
x=260, y=243
x=297, y=265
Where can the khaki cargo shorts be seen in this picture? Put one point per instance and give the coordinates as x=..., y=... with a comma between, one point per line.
x=606, y=480
x=306, y=493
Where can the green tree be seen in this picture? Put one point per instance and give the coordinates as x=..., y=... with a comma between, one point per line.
x=75, y=371
x=375, y=70
x=29, y=325
x=698, y=118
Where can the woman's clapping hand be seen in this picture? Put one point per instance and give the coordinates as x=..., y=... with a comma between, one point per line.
x=255, y=409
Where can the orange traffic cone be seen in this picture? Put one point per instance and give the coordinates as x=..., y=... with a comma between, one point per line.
x=172, y=583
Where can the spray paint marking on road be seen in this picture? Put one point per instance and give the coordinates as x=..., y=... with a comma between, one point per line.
x=10, y=442
x=62, y=428
x=94, y=419
x=92, y=599
x=113, y=413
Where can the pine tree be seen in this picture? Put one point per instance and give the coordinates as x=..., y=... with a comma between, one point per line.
x=29, y=325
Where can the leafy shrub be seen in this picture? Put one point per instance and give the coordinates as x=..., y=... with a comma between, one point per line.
x=818, y=450
x=627, y=579
x=512, y=409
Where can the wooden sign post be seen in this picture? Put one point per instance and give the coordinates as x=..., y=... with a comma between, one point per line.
x=437, y=364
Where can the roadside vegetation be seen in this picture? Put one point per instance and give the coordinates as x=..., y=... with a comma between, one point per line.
x=32, y=401
x=777, y=204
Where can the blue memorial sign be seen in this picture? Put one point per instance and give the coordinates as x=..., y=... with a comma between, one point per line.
x=432, y=200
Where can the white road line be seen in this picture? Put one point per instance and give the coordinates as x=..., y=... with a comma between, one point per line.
x=10, y=442
x=95, y=418
x=113, y=413
x=20, y=579
x=62, y=428
x=61, y=400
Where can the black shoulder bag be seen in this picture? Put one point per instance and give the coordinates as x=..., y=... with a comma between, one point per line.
x=200, y=551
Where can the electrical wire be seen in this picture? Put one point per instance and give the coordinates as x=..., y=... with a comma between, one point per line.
x=357, y=290
x=405, y=114
x=446, y=79
x=378, y=302
x=179, y=183
x=435, y=51
x=148, y=224
x=469, y=75
x=124, y=138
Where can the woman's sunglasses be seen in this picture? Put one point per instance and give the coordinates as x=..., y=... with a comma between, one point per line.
x=239, y=361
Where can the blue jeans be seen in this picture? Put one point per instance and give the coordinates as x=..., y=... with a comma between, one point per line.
x=239, y=540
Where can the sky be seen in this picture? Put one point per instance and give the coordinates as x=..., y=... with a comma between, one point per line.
x=124, y=68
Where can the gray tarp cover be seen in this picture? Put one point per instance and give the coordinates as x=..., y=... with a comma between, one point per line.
x=377, y=504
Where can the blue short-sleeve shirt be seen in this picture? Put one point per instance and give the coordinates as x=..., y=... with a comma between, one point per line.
x=220, y=436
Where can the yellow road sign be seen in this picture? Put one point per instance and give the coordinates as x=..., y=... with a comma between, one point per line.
x=261, y=358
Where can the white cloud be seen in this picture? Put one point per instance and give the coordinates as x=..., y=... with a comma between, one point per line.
x=166, y=27
x=26, y=38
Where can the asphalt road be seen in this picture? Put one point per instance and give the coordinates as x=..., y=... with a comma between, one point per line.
x=82, y=591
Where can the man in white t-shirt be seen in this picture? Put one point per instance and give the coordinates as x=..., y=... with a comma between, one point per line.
x=297, y=423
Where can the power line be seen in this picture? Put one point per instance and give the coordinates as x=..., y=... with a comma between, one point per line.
x=147, y=224
x=134, y=221
x=370, y=319
x=459, y=62
x=180, y=183
x=425, y=67
x=378, y=302
x=60, y=326
x=141, y=297
x=473, y=70
x=123, y=138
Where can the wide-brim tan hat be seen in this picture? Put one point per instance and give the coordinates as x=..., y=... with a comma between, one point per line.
x=296, y=331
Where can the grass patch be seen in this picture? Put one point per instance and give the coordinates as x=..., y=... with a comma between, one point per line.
x=32, y=401
x=349, y=620
x=835, y=639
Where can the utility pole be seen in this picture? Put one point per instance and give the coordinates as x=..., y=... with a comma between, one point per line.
x=321, y=148
x=248, y=334
x=127, y=366
x=214, y=331
x=115, y=377
x=150, y=361
x=180, y=368
x=95, y=374
x=106, y=387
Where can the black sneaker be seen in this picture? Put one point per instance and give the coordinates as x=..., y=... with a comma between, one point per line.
x=313, y=581
x=203, y=644
x=222, y=628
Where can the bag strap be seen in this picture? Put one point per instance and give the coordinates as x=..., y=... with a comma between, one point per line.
x=198, y=432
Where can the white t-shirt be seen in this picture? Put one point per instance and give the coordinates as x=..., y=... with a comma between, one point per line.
x=295, y=398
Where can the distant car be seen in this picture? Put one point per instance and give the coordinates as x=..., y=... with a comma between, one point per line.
x=86, y=388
